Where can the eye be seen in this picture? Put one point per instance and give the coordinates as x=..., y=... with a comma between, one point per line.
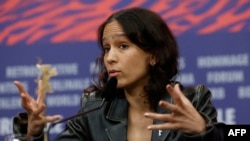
x=106, y=48
x=123, y=46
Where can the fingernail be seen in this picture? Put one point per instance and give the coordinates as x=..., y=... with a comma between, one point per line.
x=160, y=103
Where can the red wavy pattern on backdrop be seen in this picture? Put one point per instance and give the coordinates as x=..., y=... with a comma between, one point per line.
x=60, y=21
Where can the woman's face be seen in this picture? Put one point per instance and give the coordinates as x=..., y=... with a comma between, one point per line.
x=123, y=59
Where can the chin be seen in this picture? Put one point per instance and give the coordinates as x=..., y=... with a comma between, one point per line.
x=120, y=85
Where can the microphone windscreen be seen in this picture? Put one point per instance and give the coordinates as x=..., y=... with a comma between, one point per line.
x=110, y=88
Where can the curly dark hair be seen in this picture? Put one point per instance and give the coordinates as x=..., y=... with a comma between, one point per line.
x=150, y=32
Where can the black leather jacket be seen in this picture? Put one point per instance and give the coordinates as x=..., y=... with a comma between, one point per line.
x=110, y=122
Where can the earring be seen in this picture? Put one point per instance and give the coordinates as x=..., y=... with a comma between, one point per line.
x=152, y=63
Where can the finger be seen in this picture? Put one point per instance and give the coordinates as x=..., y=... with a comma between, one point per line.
x=40, y=109
x=175, y=93
x=26, y=102
x=178, y=90
x=43, y=120
x=53, y=118
x=169, y=106
x=20, y=87
x=165, y=126
x=162, y=117
x=23, y=93
x=184, y=100
x=26, y=98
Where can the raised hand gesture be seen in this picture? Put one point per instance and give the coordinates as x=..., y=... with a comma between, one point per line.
x=35, y=109
x=183, y=116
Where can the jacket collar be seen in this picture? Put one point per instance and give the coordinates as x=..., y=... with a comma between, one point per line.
x=119, y=115
x=118, y=131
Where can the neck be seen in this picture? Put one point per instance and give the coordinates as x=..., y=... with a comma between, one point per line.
x=137, y=100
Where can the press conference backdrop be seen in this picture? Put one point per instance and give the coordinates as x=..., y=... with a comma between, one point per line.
x=213, y=38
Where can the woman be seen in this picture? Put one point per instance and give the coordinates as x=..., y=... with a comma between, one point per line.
x=139, y=50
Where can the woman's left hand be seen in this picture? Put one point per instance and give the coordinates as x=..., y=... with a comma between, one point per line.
x=183, y=116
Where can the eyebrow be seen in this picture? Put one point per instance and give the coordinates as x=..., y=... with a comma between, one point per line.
x=114, y=36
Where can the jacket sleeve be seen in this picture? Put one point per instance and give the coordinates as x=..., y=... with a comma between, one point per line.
x=20, y=125
x=201, y=99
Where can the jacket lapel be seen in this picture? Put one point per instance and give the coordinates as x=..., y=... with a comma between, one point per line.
x=117, y=132
x=118, y=113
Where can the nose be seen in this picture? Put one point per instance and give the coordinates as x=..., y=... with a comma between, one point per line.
x=111, y=56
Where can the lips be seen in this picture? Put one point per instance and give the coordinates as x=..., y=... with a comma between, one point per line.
x=113, y=73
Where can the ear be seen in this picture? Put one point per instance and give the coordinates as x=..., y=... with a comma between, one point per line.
x=152, y=60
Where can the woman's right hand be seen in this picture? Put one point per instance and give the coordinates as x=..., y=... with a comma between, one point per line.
x=35, y=109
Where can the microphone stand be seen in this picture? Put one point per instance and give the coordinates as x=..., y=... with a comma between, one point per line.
x=72, y=117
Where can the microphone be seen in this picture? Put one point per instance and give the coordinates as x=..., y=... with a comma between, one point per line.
x=110, y=88
x=108, y=94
